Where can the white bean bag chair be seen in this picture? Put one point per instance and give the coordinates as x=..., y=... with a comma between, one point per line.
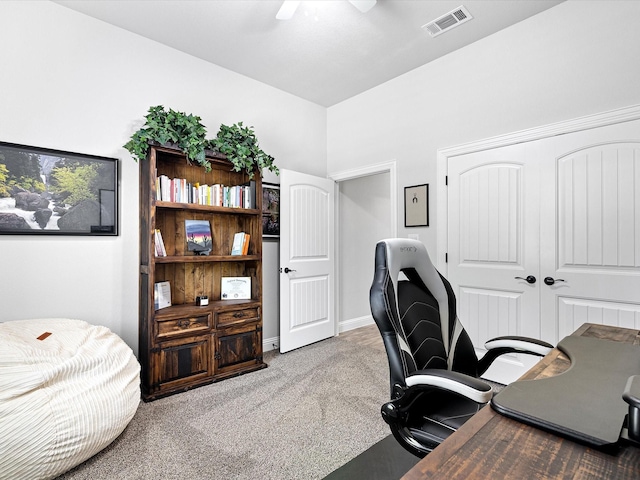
x=63, y=396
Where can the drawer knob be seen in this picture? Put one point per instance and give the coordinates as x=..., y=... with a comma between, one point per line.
x=238, y=315
x=184, y=323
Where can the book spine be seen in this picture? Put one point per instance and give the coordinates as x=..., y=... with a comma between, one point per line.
x=161, y=251
x=156, y=244
x=245, y=246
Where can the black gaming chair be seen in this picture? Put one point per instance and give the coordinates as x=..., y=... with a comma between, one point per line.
x=433, y=366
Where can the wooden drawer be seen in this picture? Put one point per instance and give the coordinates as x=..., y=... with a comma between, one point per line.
x=173, y=327
x=233, y=317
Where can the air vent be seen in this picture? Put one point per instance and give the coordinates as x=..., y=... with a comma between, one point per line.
x=448, y=21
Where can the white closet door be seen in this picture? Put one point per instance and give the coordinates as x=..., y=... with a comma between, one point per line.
x=565, y=209
x=590, y=233
x=494, y=238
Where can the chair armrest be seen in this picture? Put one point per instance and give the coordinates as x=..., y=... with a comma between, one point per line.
x=398, y=408
x=470, y=387
x=511, y=344
x=520, y=344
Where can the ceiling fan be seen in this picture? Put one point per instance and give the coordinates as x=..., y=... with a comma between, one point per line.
x=289, y=7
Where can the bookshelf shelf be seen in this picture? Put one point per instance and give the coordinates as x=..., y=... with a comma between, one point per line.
x=208, y=258
x=185, y=345
x=207, y=208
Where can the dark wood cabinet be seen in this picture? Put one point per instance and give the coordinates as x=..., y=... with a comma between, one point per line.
x=180, y=362
x=237, y=347
x=186, y=345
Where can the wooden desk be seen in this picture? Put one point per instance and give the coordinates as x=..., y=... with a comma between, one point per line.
x=491, y=446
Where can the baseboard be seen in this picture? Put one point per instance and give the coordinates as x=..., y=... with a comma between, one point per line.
x=273, y=343
x=269, y=344
x=354, y=323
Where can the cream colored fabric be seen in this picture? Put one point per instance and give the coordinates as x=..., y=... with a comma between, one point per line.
x=63, y=398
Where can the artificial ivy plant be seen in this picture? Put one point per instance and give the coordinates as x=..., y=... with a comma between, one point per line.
x=178, y=128
x=240, y=145
x=237, y=142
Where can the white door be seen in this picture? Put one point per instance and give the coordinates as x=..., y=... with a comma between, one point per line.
x=565, y=209
x=590, y=236
x=307, y=311
x=494, y=248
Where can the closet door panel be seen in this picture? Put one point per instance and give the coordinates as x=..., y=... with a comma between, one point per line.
x=493, y=238
x=590, y=228
x=564, y=209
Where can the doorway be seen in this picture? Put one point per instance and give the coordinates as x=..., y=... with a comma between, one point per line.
x=366, y=206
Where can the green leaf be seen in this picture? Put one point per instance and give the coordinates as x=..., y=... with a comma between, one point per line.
x=238, y=142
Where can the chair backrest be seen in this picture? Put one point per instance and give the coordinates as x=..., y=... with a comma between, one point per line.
x=417, y=316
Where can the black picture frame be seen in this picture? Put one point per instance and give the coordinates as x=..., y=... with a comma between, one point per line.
x=270, y=210
x=416, y=206
x=54, y=192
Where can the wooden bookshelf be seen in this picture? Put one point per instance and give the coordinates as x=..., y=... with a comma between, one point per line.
x=184, y=346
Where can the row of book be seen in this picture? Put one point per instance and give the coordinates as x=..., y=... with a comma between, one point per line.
x=240, y=244
x=179, y=190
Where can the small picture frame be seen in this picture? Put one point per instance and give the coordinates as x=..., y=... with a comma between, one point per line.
x=416, y=206
x=161, y=295
x=199, y=239
x=235, y=288
x=270, y=210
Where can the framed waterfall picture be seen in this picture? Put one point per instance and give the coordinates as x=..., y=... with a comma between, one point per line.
x=53, y=192
x=416, y=206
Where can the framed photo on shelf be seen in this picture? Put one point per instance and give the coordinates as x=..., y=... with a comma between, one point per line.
x=199, y=239
x=270, y=210
x=161, y=295
x=235, y=288
x=53, y=192
x=416, y=206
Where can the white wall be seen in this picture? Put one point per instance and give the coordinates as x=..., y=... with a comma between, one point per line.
x=364, y=219
x=575, y=59
x=70, y=82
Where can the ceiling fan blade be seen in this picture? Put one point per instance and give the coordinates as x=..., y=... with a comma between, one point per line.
x=287, y=9
x=363, y=5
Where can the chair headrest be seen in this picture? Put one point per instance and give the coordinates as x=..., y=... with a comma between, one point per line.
x=405, y=253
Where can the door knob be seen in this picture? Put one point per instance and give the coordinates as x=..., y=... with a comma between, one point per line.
x=530, y=279
x=287, y=270
x=551, y=280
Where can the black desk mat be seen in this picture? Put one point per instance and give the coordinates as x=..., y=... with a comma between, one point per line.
x=583, y=403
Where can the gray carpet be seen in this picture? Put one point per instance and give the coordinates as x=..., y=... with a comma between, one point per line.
x=310, y=412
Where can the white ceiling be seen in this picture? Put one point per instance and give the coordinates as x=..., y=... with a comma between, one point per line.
x=328, y=52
